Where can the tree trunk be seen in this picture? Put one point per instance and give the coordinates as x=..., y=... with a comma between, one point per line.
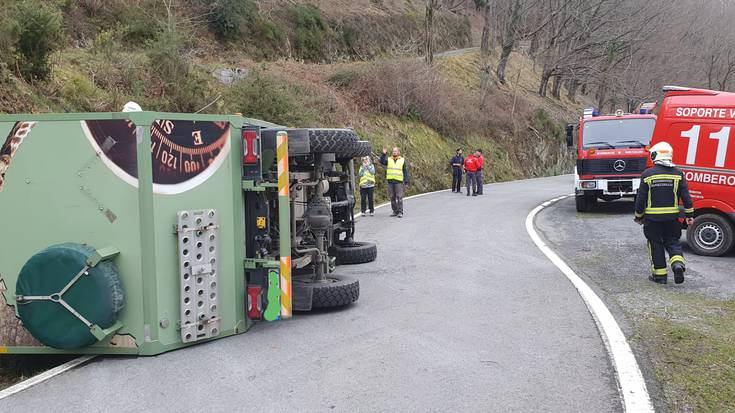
x=429, y=49
x=601, y=95
x=556, y=87
x=572, y=87
x=533, y=48
x=509, y=40
x=485, y=43
x=503, y=62
x=545, y=76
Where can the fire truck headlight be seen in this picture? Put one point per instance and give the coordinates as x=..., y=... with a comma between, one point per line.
x=589, y=184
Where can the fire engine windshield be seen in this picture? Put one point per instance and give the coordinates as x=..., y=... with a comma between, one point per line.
x=617, y=133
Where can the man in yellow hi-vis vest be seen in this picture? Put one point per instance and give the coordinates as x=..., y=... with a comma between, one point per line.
x=397, y=178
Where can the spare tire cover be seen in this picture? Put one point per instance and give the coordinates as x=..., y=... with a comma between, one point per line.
x=98, y=296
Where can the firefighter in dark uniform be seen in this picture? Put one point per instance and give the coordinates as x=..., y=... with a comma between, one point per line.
x=657, y=209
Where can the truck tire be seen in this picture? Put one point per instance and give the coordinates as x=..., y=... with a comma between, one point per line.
x=356, y=253
x=584, y=202
x=360, y=149
x=711, y=235
x=332, y=140
x=338, y=291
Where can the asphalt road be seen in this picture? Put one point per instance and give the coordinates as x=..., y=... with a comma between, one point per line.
x=608, y=250
x=460, y=312
x=611, y=250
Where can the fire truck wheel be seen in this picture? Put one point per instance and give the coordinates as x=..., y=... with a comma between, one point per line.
x=338, y=291
x=711, y=235
x=355, y=253
x=584, y=202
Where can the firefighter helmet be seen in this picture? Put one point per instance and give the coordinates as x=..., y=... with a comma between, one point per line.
x=662, y=152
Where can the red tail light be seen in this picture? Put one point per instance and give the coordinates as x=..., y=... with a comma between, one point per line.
x=251, y=152
x=255, y=303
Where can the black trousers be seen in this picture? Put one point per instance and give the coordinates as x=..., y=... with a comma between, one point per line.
x=663, y=237
x=456, y=179
x=366, y=196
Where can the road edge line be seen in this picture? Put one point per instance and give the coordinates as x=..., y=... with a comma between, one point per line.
x=42, y=377
x=359, y=214
x=631, y=385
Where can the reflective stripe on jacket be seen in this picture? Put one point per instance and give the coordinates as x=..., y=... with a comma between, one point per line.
x=661, y=189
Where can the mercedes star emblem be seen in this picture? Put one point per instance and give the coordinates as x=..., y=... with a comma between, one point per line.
x=619, y=165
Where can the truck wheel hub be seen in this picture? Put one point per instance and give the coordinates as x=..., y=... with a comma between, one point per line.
x=709, y=236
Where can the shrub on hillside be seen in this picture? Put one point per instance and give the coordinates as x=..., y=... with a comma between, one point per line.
x=8, y=38
x=413, y=90
x=229, y=18
x=39, y=34
x=239, y=21
x=311, y=33
x=135, y=21
x=265, y=97
x=343, y=78
x=172, y=83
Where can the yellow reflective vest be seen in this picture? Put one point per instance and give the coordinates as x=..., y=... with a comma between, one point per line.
x=394, y=170
x=368, y=178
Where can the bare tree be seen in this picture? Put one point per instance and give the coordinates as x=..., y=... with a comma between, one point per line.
x=509, y=39
x=432, y=7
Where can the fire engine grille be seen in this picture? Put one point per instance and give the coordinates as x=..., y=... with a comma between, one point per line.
x=611, y=166
x=620, y=186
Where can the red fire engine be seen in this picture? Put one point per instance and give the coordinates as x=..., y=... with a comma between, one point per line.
x=611, y=154
x=699, y=125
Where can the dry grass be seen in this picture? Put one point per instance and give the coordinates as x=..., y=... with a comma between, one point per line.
x=413, y=90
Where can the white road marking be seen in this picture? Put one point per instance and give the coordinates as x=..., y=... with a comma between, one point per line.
x=40, y=378
x=631, y=385
x=359, y=214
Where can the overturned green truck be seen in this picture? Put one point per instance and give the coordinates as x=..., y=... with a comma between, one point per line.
x=142, y=232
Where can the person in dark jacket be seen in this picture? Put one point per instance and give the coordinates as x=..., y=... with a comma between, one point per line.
x=396, y=175
x=657, y=209
x=457, y=163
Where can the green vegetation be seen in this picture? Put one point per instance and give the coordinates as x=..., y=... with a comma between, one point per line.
x=31, y=33
x=694, y=353
x=311, y=32
x=264, y=96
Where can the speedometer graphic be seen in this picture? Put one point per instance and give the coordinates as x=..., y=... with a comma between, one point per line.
x=184, y=153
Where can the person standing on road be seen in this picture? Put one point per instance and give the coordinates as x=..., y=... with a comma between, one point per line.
x=367, y=185
x=657, y=209
x=397, y=178
x=457, y=163
x=478, y=174
x=470, y=167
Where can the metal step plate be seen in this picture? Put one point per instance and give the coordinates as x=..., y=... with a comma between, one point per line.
x=198, y=233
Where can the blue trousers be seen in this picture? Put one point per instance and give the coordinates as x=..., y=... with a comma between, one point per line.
x=457, y=179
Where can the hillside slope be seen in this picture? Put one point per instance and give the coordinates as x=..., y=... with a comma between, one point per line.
x=329, y=63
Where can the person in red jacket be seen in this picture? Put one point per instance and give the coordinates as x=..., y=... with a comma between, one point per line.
x=470, y=168
x=478, y=174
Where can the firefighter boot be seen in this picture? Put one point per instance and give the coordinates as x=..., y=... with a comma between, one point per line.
x=658, y=279
x=678, y=269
